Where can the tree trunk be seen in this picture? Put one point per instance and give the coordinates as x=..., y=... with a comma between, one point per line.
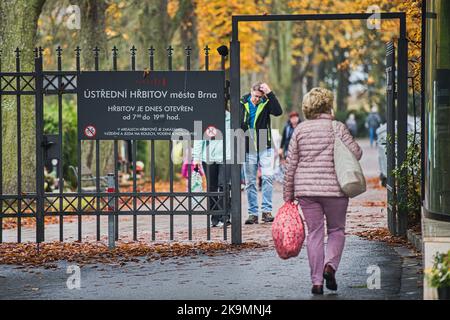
x=189, y=32
x=157, y=29
x=297, y=86
x=18, y=29
x=154, y=30
x=93, y=35
x=300, y=68
x=343, y=84
x=92, y=32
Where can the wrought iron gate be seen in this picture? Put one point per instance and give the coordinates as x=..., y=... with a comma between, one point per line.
x=39, y=205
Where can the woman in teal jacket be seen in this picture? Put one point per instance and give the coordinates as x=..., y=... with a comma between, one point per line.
x=211, y=158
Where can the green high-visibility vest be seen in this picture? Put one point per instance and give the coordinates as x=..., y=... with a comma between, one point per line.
x=260, y=108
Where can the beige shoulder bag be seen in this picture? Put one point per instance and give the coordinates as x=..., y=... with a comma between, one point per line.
x=348, y=170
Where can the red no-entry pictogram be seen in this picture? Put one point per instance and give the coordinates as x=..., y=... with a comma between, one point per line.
x=90, y=131
x=211, y=131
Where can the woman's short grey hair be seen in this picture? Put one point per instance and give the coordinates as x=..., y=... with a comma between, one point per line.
x=317, y=101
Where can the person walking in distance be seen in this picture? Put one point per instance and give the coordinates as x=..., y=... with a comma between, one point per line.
x=373, y=121
x=352, y=125
x=291, y=124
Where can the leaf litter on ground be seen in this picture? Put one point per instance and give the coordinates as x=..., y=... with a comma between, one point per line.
x=28, y=255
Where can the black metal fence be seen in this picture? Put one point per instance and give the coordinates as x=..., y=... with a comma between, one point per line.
x=39, y=204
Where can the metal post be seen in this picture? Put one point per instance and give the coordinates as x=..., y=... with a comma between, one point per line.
x=402, y=125
x=112, y=208
x=60, y=171
x=224, y=158
x=19, y=149
x=236, y=218
x=422, y=102
x=40, y=193
x=97, y=159
x=390, y=137
x=79, y=167
x=1, y=153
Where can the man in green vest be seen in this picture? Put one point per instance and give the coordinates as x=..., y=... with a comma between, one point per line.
x=256, y=109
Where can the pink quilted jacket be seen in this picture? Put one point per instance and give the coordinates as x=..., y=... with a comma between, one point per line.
x=310, y=165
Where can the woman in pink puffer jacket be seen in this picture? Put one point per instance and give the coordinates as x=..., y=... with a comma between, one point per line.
x=311, y=179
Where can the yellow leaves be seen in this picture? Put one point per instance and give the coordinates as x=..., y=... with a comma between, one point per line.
x=114, y=10
x=47, y=51
x=121, y=5
x=172, y=7
x=214, y=27
x=344, y=65
x=110, y=33
x=308, y=50
x=125, y=36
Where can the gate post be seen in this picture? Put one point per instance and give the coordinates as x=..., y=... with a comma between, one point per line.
x=39, y=109
x=402, y=126
x=390, y=138
x=112, y=209
x=236, y=216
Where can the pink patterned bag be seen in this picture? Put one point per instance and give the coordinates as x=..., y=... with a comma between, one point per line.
x=288, y=231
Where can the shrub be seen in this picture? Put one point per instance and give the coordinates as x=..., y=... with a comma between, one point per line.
x=439, y=275
x=412, y=167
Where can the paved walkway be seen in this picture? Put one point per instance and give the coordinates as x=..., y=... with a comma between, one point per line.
x=256, y=274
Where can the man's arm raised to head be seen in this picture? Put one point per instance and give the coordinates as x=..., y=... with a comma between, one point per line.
x=273, y=104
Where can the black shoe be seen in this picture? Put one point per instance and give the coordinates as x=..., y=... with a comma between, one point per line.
x=330, y=279
x=267, y=217
x=317, y=289
x=252, y=219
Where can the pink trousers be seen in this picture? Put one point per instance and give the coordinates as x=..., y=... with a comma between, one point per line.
x=314, y=210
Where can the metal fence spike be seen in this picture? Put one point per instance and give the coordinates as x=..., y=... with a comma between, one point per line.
x=206, y=49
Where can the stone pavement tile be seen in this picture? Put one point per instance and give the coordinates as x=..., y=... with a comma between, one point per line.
x=411, y=278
